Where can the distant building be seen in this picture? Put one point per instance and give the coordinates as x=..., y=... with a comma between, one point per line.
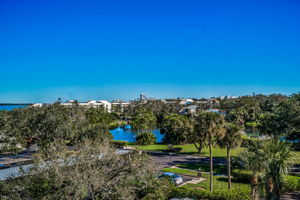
x=38, y=105
x=143, y=97
x=171, y=100
x=92, y=103
x=119, y=103
x=186, y=101
x=179, y=101
x=213, y=110
x=107, y=105
x=190, y=109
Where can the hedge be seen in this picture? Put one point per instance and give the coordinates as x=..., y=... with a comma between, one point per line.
x=233, y=194
x=291, y=183
x=242, y=175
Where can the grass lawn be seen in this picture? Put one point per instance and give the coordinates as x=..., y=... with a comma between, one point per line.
x=219, y=183
x=297, y=157
x=218, y=169
x=180, y=171
x=188, y=149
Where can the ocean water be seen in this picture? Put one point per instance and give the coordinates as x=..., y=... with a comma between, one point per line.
x=129, y=134
x=11, y=107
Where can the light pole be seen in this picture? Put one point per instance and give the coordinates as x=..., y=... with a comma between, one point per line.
x=170, y=158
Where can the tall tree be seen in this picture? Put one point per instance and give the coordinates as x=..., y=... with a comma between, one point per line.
x=198, y=135
x=277, y=157
x=144, y=121
x=255, y=163
x=230, y=140
x=270, y=159
x=213, y=124
x=176, y=128
x=100, y=118
x=283, y=120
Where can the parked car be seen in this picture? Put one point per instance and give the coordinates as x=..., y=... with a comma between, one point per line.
x=176, y=179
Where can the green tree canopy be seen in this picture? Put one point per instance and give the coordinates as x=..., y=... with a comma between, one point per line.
x=176, y=128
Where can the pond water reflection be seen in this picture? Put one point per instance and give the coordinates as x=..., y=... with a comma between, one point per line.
x=128, y=134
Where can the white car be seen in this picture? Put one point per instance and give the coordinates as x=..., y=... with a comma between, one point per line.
x=176, y=179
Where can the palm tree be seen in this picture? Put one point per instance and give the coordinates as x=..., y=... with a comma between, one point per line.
x=278, y=155
x=230, y=140
x=254, y=162
x=270, y=160
x=212, y=124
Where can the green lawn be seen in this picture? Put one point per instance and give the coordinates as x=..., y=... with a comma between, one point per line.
x=219, y=183
x=188, y=149
x=297, y=157
x=180, y=171
x=218, y=169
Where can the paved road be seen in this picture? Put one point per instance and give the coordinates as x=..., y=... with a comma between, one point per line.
x=291, y=196
x=163, y=160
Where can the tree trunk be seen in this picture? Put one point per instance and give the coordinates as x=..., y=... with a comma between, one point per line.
x=254, y=187
x=270, y=189
x=276, y=190
x=211, y=167
x=228, y=168
x=199, y=148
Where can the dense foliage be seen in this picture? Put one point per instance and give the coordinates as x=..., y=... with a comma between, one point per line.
x=145, y=138
x=47, y=124
x=176, y=128
x=88, y=172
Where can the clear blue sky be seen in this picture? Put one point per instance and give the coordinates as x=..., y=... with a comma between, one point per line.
x=165, y=48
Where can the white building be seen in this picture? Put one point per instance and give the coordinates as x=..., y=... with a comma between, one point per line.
x=186, y=101
x=121, y=104
x=91, y=103
x=190, y=109
x=107, y=105
x=37, y=105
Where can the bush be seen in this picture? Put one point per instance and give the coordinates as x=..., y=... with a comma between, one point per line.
x=173, y=150
x=145, y=138
x=242, y=175
x=291, y=183
x=246, y=141
x=233, y=194
x=119, y=143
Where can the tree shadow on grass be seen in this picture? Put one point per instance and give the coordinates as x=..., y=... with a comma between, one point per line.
x=218, y=169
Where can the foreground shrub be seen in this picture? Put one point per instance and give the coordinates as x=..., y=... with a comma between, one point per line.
x=233, y=194
x=242, y=175
x=92, y=170
x=145, y=138
x=290, y=183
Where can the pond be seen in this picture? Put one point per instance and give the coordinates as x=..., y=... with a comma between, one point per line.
x=128, y=134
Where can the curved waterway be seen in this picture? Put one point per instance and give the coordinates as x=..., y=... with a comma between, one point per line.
x=129, y=134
